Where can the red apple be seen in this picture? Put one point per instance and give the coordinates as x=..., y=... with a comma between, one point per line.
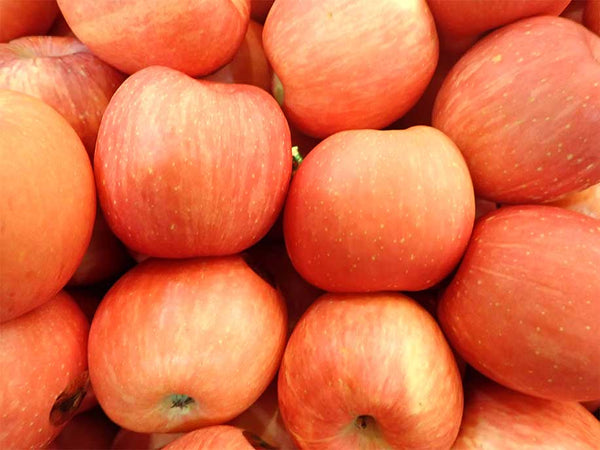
x=218, y=437
x=130, y=440
x=44, y=376
x=62, y=72
x=345, y=65
x=591, y=15
x=47, y=203
x=89, y=430
x=585, y=202
x=170, y=332
x=25, y=17
x=263, y=419
x=523, y=106
x=373, y=210
x=105, y=258
x=496, y=417
x=369, y=371
x=461, y=23
x=249, y=65
x=189, y=167
x=523, y=305
x=195, y=37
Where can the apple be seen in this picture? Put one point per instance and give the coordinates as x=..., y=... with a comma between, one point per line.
x=195, y=37
x=585, y=202
x=218, y=437
x=188, y=167
x=89, y=430
x=343, y=65
x=522, y=105
x=369, y=371
x=372, y=210
x=25, y=17
x=496, y=417
x=63, y=73
x=128, y=440
x=105, y=258
x=249, y=65
x=170, y=332
x=591, y=15
x=528, y=287
x=263, y=419
x=44, y=376
x=460, y=24
x=47, y=203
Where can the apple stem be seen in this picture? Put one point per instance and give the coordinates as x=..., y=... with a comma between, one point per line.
x=296, y=158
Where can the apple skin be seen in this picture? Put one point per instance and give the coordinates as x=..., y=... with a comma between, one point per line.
x=90, y=430
x=585, y=202
x=63, y=73
x=536, y=77
x=25, y=18
x=528, y=287
x=214, y=159
x=105, y=258
x=218, y=437
x=144, y=343
x=369, y=371
x=591, y=15
x=195, y=37
x=324, y=53
x=496, y=417
x=47, y=203
x=42, y=389
x=263, y=419
x=461, y=23
x=249, y=65
x=372, y=210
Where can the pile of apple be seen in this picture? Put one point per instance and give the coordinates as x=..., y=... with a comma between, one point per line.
x=299, y=224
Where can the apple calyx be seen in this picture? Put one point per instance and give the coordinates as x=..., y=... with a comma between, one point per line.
x=180, y=401
x=69, y=400
x=256, y=441
x=277, y=89
x=366, y=426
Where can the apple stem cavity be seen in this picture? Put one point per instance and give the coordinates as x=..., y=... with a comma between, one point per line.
x=277, y=89
x=68, y=402
x=364, y=422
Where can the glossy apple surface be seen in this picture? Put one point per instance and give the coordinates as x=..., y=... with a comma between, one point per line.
x=170, y=332
x=188, y=167
x=538, y=77
x=324, y=53
x=528, y=287
x=44, y=376
x=47, y=203
x=373, y=210
x=25, y=17
x=191, y=36
x=496, y=417
x=63, y=73
x=369, y=371
x=461, y=23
